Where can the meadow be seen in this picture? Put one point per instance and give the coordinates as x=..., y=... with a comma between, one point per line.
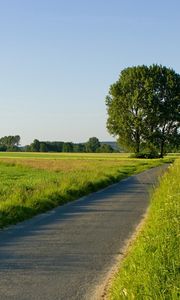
x=150, y=269
x=31, y=183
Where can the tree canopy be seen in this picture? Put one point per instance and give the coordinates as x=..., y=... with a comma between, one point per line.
x=144, y=108
x=9, y=143
x=92, y=145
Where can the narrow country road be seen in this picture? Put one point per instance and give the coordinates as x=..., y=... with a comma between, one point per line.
x=66, y=253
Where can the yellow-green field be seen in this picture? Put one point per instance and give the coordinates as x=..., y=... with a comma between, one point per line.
x=62, y=155
x=31, y=183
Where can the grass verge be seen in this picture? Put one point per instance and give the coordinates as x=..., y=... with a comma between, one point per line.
x=151, y=267
x=32, y=186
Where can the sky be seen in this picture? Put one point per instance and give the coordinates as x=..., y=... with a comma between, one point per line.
x=58, y=59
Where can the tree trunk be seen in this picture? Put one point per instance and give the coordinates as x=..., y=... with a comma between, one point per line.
x=137, y=142
x=162, y=142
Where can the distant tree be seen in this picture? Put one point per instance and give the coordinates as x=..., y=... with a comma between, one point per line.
x=13, y=149
x=92, y=145
x=27, y=148
x=3, y=148
x=17, y=139
x=54, y=146
x=43, y=147
x=144, y=108
x=67, y=147
x=35, y=146
x=105, y=148
x=57, y=146
x=79, y=148
x=10, y=143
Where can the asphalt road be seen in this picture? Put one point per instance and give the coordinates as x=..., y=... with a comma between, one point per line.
x=66, y=253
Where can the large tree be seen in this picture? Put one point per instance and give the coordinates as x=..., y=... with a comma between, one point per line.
x=144, y=108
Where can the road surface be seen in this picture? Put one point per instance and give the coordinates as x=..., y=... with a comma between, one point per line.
x=66, y=253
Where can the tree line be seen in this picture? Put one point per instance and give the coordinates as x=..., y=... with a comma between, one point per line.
x=93, y=145
x=10, y=143
x=143, y=108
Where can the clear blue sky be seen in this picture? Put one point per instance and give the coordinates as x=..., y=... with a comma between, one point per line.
x=59, y=57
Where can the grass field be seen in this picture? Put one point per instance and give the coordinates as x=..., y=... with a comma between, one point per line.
x=151, y=269
x=31, y=183
x=62, y=155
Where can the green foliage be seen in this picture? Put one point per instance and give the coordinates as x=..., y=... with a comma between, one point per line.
x=54, y=146
x=26, y=191
x=149, y=151
x=93, y=144
x=10, y=143
x=145, y=154
x=151, y=268
x=67, y=147
x=3, y=148
x=43, y=147
x=144, y=107
x=35, y=146
x=79, y=148
x=105, y=148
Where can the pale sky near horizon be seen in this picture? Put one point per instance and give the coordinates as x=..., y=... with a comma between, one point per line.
x=59, y=57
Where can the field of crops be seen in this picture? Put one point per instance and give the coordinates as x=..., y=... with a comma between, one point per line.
x=31, y=183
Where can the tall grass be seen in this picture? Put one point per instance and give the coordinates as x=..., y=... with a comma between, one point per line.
x=30, y=186
x=151, y=269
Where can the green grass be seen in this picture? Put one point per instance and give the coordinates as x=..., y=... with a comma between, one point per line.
x=62, y=155
x=30, y=185
x=151, y=268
